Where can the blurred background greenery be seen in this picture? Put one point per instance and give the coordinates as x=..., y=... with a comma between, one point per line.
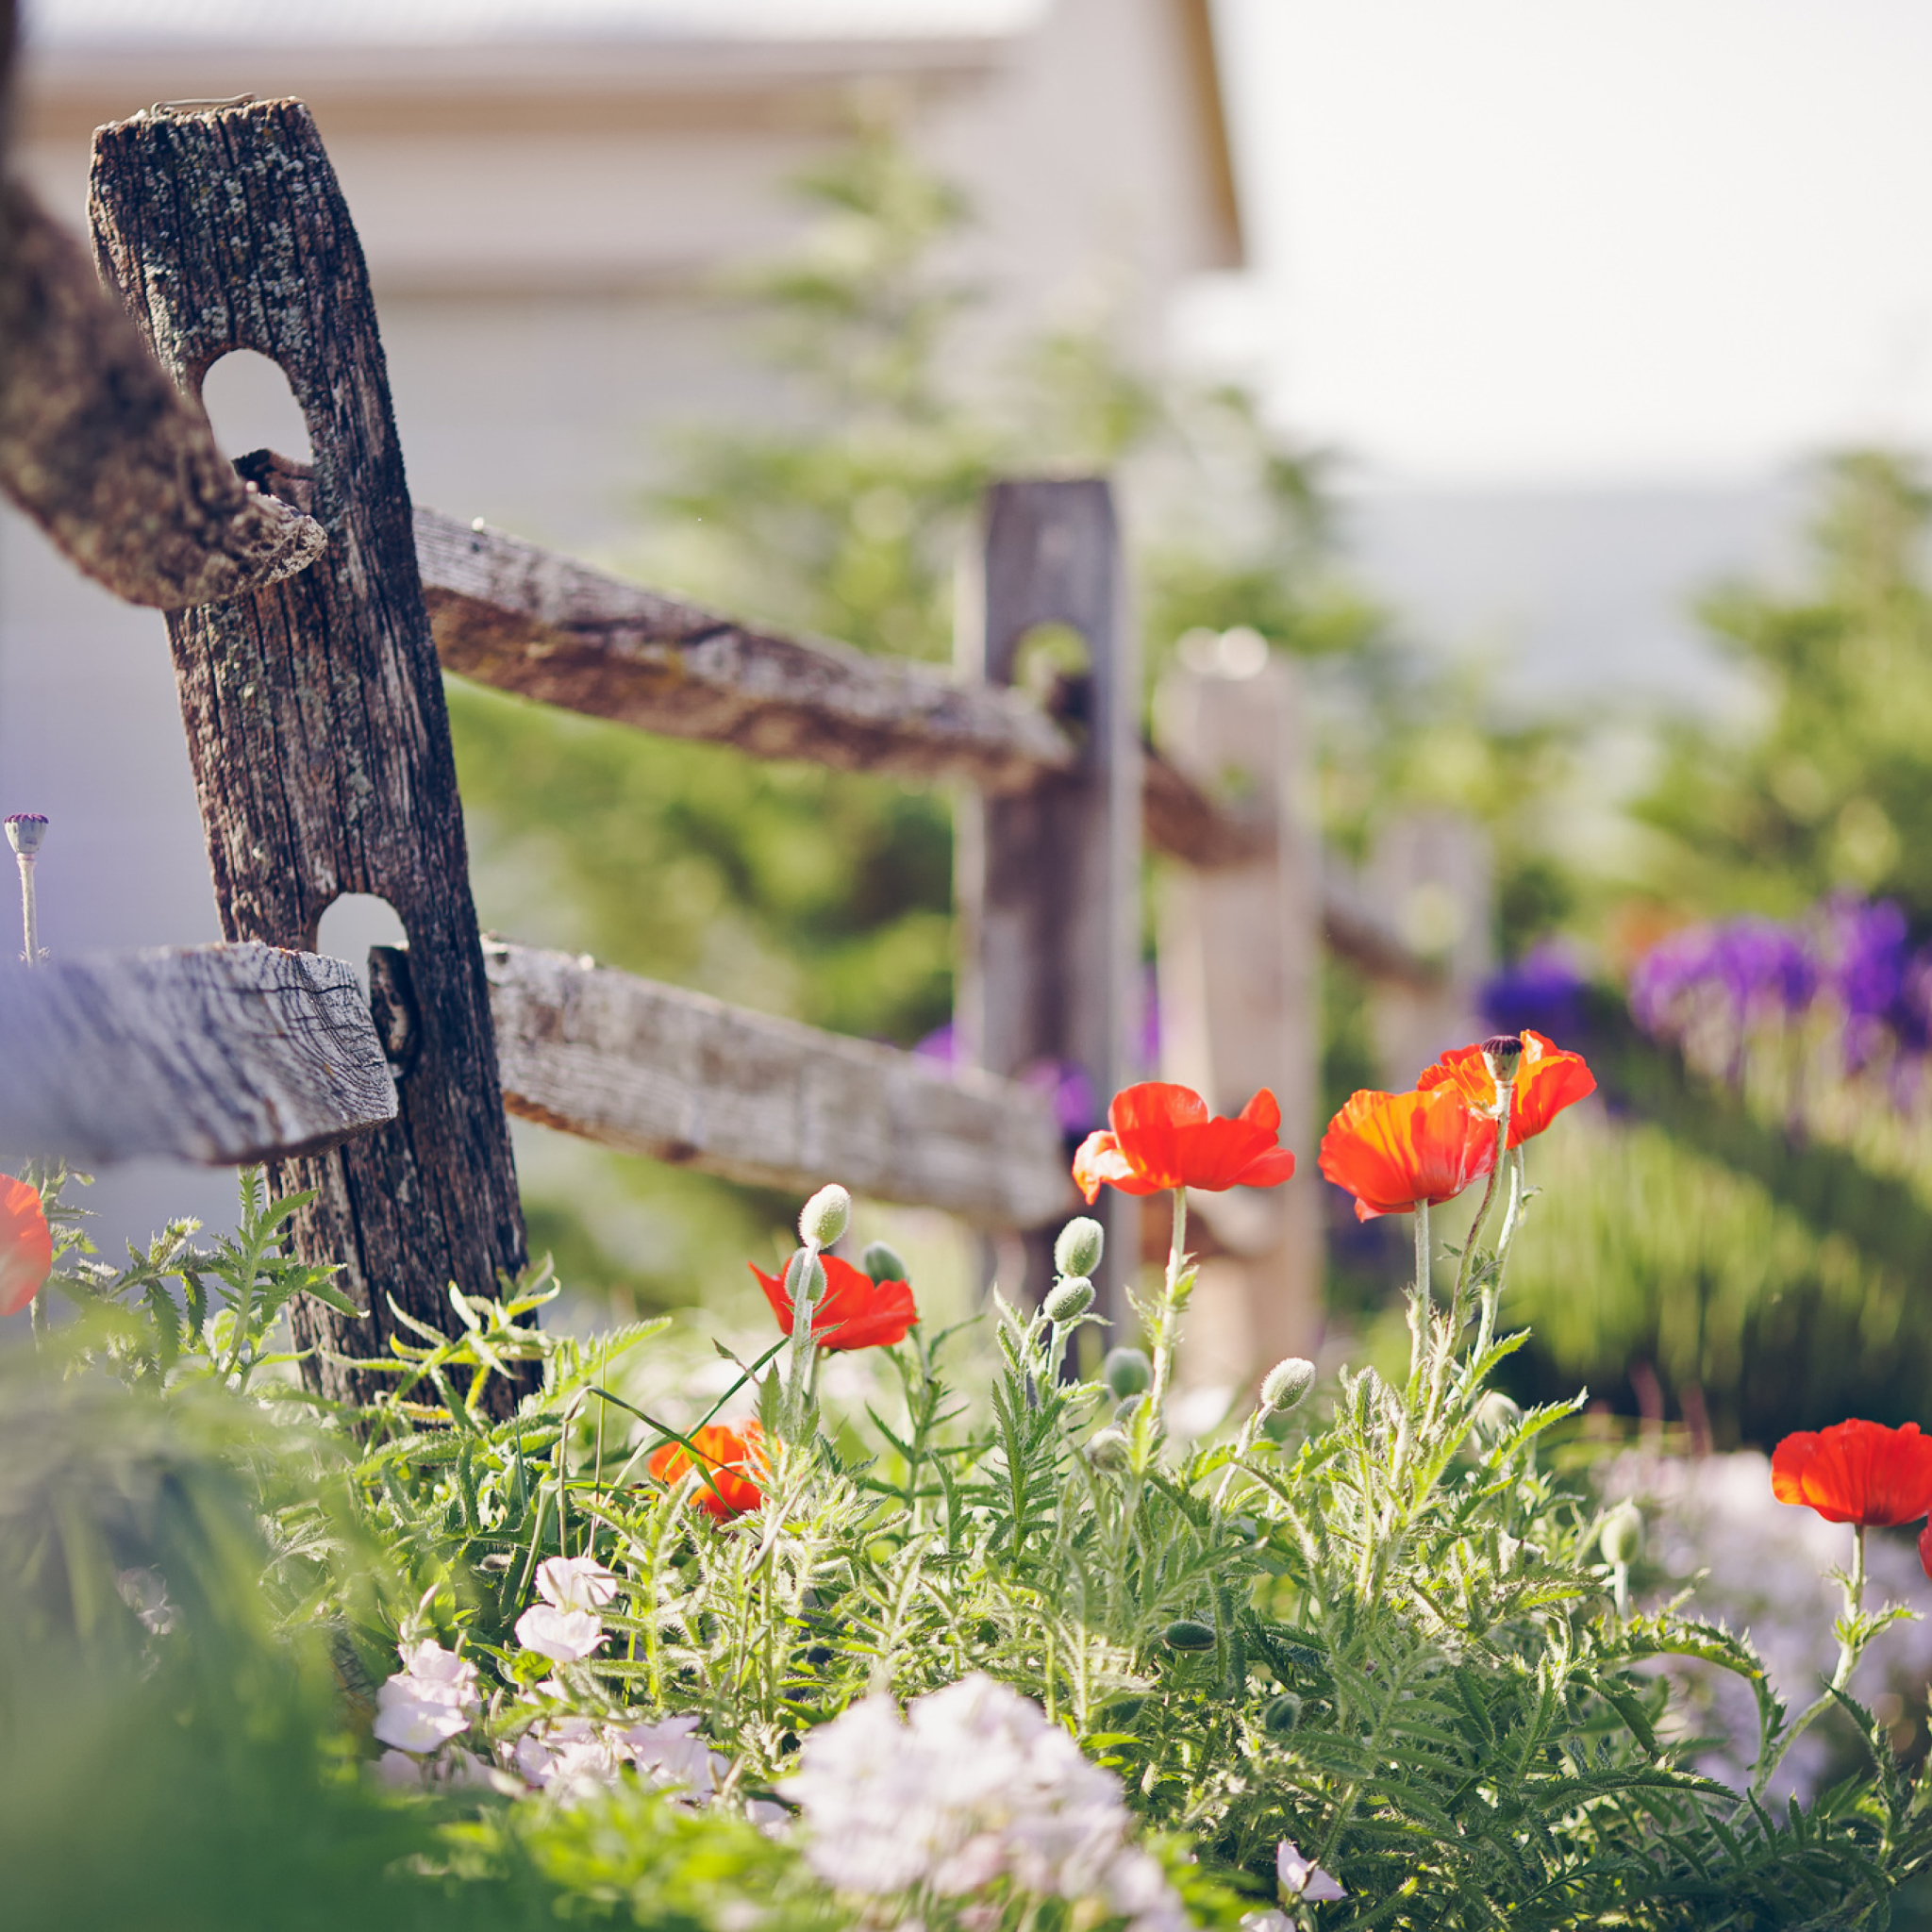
x=1675, y=1264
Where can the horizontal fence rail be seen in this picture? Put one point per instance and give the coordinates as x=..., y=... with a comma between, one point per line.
x=513, y=615
x=675, y=1075
x=520, y=618
x=218, y=1054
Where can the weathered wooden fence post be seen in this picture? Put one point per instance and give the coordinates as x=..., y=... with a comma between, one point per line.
x=1240, y=1004
x=1432, y=872
x=1049, y=880
x=315, y=710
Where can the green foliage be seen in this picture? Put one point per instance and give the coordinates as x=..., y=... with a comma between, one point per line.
x=1832, y=789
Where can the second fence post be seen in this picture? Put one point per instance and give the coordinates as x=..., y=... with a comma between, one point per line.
x=1048, y=881
x=1240, y=1009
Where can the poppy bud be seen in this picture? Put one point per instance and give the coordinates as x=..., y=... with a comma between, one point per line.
x=882, y=1263
x=1109, y=1449
x=24, y=831
x=1496, y=1417
x=1126, y=1371
x=1286, y=1384
x=1185, y=1634
x=1078, y=1248
x=1621, y=1539
x=813, y=1284
x=1504, y=1052
x=1068, y=1300
x=1925, y=1549
x=826, y=1215
x=1282, y=1715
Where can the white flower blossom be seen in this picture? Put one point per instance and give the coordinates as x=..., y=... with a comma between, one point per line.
x=564, y=1626
x=1302, y=1878
x=975, y=1785
x=568, y=1757
x=575, y=1583
x=668, y=1754
x=430, y=1701
x=566, y=1637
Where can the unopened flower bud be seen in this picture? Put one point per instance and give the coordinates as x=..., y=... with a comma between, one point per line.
x=1185, y=1634
x=24, y=831
x=1126, y=1371
x=883, y=1263
x=1621, y=1539
x=1109, y=1449
x=1282, y=1715
x=1503, y=1051
x=1287, y=1383
x=1497, y=1418
x=796, y=1279
x=826, y=1215
x=1069, y=1299
x=1078, y=1248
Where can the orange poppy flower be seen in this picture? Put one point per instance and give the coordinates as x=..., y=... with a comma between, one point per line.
x=728, y=1457
x=1856, y=1471
x=1391, y=1150
x=855, y=1311
x=27, y=1245
x=1159, y=1136
x=1547, y=1080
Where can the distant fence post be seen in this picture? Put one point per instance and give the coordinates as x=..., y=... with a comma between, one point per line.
x=1240, y=1006
x=1048, y=880
x=1433, y=874
x=314, y=709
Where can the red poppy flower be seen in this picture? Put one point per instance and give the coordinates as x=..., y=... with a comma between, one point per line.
x=1391, y=1150
x=728, y=1457
x=855, y=1311
x=1159, y=1136
x=1856, y=1471
x=26, y=1246
x=1547, y=1081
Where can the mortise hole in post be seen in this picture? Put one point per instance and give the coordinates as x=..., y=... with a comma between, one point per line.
x=355, y=922
x=251, y=406
x=1049, y=661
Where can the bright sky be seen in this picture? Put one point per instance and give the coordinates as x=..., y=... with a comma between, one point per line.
x=1589, y=241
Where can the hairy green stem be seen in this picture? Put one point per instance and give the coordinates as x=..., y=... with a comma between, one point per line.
x=1167, y=1324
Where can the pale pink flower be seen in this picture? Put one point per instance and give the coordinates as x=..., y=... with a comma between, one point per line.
x=670, y=1752
x=566, y=1637
x=1302, y=1878
x=575, y=1583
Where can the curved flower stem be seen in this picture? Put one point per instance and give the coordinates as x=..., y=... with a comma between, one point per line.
x=1512, y=1223
x=1851, y=1644
x=1457, y=1304
x=1167, y=1327
x=1420, y=1299
x=1854, y=1598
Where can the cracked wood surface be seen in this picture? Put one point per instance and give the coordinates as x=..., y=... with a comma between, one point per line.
x=317, y=730
x=679, y=1076
x=218, y=1054
x=102, y=450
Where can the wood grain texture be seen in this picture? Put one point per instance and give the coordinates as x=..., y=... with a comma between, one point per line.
x=103, y=452
x=673, y=1074
x=218, y=1054
x=1049, y=880
x=526, y=620
x=315, y=710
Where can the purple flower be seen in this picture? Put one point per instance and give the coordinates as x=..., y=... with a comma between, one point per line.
x=1543, y=991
